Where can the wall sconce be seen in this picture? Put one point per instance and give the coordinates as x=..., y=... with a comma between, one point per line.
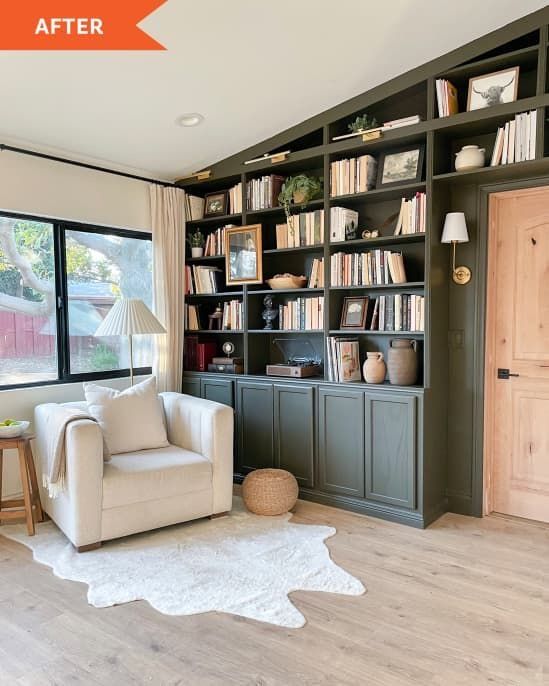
x=455, y=231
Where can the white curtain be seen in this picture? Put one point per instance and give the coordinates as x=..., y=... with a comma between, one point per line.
x=168, y=234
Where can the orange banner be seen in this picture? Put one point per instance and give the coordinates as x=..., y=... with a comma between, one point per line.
x=76, y=24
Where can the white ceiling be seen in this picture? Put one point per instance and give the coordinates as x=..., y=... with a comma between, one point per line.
x=252, y=68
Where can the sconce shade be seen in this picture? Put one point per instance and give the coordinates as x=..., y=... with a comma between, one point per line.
x=128, y=317
x=455, y=228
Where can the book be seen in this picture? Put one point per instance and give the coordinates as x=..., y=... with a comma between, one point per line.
x=302, y=314
x=343, y=360
x=194, y=207
x=262, y=193
x=516, y=140
x=354, y=175
x=398, y=312
x=372, y=268
x=447, y=98
x=342, y=220
x=411, y=218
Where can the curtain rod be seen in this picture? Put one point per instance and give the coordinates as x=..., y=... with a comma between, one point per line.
x=93, y=167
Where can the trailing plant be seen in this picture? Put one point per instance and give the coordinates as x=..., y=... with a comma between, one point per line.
x=196, y=239
x=310, y=187
x=362, y=123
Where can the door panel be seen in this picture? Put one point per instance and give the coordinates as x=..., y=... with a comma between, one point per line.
x=191, y=386
x=294, y=431
x=341, y=441
x=255, y=426
x=391, y=448
x=517, y=407
x=218, y=390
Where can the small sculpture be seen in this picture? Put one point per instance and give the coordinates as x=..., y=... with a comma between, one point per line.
x=216, y=319
x=270, y=313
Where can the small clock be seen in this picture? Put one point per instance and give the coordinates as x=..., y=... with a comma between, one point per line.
x=228, y=348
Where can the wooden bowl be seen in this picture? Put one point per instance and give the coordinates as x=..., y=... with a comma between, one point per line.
x=285, y=282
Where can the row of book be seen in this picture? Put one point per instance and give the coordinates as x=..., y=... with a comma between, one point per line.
x=262, y=193
x=411, y=218
x=194, y=207
x=215, y=242
x=354, y=175
x=191, y=318
x=231, y=320
x=201, y=279
x=303, y=314
x=398, y=312
x=343, y=223
x=447, y=98
x=235, y=199
x=343, y=360
x=372, y=268
x=316, y=275
x=306, y=228
x=516, y=141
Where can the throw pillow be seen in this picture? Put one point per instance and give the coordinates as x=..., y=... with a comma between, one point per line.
x=132, y=419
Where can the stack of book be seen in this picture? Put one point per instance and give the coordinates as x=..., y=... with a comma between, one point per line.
x=197, y=356
x=355, y=175
x=373, y=268
x=447, y=98
x=235, y=199
x=306, y=228
x=516, y=141
x=261, y=194
x=232, y=316
x=343, y=360
x=215, y=242
x=301, y=314
x=200, y=280
x=342, y=222
x=399, y=312
x=194, y=207
x=192, y=318
x=412, y=215
x=316, y=278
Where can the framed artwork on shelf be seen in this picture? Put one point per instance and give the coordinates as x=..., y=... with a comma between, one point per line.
x=492, y=89
x=401, y=166
x=243, y=255
x=354, y=312
x=215, y=204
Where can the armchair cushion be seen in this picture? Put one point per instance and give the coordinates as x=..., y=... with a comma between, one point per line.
x=132, y=419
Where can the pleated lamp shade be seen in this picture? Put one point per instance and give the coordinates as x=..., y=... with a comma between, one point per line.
x=128, y=317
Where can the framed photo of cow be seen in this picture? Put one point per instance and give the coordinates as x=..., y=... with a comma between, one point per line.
x=492, y=89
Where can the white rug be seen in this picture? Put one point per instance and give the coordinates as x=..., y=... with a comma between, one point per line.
x=243, y=564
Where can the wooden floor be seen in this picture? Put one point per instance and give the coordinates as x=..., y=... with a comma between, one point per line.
x=465, y=602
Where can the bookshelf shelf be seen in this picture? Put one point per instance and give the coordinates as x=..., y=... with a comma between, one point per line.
x=279, y=331
x=224, y=332
x=389, y=193
x=205, y=258
x=291, y=291
x=368, y=332
x=319, y=247
x=522, y=57
x=221, y=294
x=295, y=209
x=377, y=287
x=360, y=243
x=223, y=219
x=491, y=174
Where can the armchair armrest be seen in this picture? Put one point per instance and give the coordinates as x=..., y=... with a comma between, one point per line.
x=206, y=428
x=77, y=509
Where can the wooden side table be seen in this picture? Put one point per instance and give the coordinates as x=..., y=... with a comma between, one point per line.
x=27, y=508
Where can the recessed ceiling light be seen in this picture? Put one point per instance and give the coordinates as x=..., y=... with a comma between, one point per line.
x=190, y=119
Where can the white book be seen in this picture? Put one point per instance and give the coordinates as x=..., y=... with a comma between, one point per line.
x=511, y=146
x=505, y=144
x=496, y=152
x=533, y=125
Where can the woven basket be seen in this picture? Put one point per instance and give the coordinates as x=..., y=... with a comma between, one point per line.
x=269, y=491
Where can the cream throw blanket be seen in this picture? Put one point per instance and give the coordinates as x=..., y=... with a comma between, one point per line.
x=52, y=448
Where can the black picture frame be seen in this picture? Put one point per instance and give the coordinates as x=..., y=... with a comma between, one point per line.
x=219, y=198
x=407, y=176
x=352, y=320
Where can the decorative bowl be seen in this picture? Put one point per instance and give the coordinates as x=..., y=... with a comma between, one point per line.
x=14, y=430
x=280, y=282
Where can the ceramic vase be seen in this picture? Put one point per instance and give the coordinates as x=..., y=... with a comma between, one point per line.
x=402, y=363
x=197, y=252
x=374, y=368
x=469, y=157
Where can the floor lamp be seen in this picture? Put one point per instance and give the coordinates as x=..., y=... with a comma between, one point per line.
x=129, y=317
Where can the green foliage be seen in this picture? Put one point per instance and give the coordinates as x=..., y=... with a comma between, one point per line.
x=196, y=239
x=310, y=187
x=103, y=359
x=362, y=123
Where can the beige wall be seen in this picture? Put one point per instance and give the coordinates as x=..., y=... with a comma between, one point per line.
x=32, y=185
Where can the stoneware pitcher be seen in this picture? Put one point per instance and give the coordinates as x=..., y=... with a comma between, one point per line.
x=402, y=362
x=374, y=368
x=469, y=157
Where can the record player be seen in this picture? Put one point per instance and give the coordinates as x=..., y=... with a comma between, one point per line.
x=301, y=359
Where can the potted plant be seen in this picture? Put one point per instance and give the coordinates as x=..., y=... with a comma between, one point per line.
x=362, y=123
x=299, y=190
x=196, y=241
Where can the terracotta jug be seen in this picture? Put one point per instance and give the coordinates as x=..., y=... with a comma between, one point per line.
x=402, y=362
x=374, y=368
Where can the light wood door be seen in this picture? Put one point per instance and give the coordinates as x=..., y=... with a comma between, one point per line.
x=517, y=407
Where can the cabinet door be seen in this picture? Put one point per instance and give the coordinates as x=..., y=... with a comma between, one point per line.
x=218, y=390
x=294, y=431
x=191, y=386
x=341, y=441
x=255, y=425
x=391, y=448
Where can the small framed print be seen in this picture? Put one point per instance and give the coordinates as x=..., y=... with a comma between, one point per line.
x=243, y=255
x=215, y=204
x=401, y=166
x=354, y=312
x=492, y=89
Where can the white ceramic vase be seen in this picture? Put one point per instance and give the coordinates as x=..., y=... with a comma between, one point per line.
x=197, y=252
x=469, y=157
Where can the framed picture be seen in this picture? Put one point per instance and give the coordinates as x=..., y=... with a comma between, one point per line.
x=215, y=204
x=243, y=255
x=401, y=166
x=354, y=312
x=492, y=89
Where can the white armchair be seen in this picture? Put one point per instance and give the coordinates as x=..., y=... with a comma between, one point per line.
x=147, y=489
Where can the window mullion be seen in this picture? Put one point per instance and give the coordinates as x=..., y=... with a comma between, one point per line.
x=61, y=303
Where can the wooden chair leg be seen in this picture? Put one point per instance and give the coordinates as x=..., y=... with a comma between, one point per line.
x=218, y=514
x=87, y=548
x=34, y=485
x=26, y=488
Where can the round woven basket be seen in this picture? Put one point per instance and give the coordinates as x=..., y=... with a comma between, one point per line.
x=269, y=491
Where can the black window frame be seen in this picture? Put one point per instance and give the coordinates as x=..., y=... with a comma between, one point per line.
x=60, y=227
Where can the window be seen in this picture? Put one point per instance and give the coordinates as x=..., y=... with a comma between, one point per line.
x=83, y=270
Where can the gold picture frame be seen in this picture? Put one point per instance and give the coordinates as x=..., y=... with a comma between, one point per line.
x=243, y=255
